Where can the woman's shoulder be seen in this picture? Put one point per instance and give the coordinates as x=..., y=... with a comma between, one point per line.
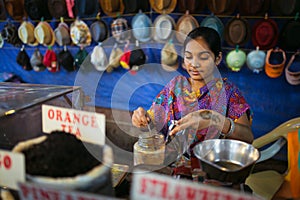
x=229, y=85
x=180, y=78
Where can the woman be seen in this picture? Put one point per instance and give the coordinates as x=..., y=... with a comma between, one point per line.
x=203, y=101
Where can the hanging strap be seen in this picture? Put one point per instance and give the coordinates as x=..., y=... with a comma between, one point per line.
x=70, y=5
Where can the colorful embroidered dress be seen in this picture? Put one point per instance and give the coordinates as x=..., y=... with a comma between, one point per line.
x=177, y=99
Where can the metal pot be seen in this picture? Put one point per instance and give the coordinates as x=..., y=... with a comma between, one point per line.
x=225, y=160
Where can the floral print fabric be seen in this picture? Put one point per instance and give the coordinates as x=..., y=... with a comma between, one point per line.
x=177, y=99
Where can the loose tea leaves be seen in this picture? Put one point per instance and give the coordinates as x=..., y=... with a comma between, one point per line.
x=60, y=155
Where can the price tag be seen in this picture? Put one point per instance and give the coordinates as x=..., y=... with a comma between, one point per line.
x=12, y=169
x=155, y=186
x=30, y=191
x=88, y=126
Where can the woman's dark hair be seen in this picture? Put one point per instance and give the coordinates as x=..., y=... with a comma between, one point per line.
x=211, y=36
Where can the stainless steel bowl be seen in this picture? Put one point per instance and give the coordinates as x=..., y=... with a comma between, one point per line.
x=226, y=160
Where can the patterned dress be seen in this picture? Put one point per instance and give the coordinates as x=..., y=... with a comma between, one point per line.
x=177, y=99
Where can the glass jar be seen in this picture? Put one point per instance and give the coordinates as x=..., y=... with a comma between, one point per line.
x=149, y=150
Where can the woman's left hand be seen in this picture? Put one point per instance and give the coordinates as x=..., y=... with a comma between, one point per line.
x=199, y=120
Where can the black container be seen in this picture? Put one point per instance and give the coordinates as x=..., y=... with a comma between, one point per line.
x=98, y=180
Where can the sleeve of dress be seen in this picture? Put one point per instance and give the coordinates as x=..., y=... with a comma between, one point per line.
x=160, y=110
x=238, y=105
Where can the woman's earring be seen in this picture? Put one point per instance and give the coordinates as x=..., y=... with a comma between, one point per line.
x=219, y=59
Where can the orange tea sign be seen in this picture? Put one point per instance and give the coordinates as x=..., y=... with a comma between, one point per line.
x=89, y=126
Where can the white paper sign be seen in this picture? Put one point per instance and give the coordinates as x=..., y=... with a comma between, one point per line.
x=89, y=126
x=29, y=191
x=12, y=169
x=155, y=186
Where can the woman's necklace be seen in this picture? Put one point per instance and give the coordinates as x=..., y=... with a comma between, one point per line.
x=196, y=85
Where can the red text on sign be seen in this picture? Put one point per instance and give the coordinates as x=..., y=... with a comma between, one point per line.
x=5, y=162
x=163, y=189
x=37, y=193
x=72, y=118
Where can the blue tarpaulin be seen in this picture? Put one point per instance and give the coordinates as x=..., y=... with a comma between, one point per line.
x=273, y=100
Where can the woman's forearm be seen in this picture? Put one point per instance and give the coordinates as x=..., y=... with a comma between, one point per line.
x=241, y=131
x=202, y=119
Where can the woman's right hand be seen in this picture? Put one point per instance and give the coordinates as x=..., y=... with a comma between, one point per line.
x=140, y=118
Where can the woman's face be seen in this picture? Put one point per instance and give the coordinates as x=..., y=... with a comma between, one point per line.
x=199, y=60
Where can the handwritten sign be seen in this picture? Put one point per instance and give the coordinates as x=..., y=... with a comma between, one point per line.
x=88, y=126
x=12, y=169
x=30, y=191
x=154, y=186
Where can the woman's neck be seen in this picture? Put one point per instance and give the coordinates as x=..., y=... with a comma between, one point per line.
x=197, y=84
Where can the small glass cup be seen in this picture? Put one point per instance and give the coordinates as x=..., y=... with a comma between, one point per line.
x=149, y=150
